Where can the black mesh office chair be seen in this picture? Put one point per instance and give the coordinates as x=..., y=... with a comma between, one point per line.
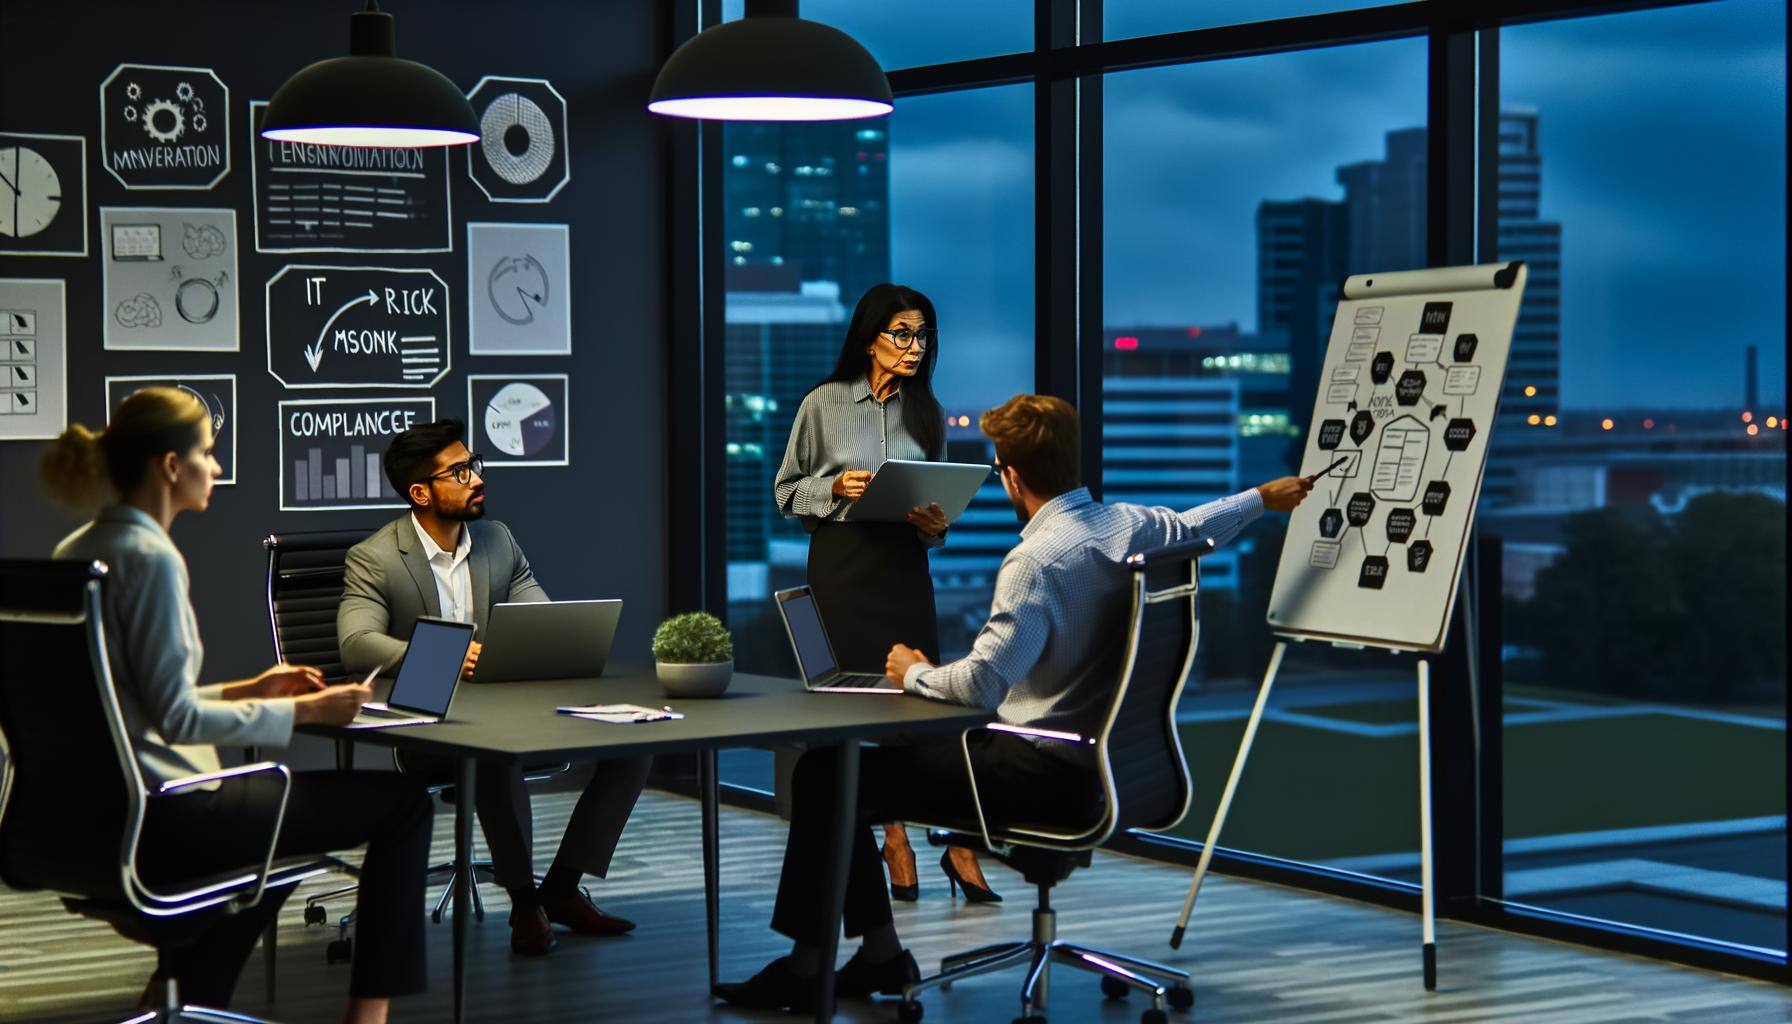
x=1144, y=776
x=305, y=583
x=64, y=744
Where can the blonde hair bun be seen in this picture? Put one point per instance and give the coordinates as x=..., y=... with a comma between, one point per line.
x=73, y=468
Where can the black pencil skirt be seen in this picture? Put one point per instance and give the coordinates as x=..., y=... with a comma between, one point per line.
x=874, y=590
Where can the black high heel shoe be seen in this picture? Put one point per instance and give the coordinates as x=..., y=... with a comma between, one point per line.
x=973, y=893
x=903, y=893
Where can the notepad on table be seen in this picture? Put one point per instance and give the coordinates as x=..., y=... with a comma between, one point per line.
x=618, y=714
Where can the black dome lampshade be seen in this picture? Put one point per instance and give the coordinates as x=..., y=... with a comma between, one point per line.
x=771, y=66
x=370, y=97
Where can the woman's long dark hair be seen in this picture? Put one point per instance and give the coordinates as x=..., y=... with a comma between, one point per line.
x=921, y=412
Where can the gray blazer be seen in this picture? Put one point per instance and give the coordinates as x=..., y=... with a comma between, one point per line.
x=388, y=584
x=152, y=645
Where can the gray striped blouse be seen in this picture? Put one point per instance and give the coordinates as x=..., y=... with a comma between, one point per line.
x=839, y=427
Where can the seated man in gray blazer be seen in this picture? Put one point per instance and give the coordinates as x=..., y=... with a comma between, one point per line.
x=443, y=558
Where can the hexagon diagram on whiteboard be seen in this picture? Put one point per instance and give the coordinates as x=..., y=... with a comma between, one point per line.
x=521, y=156
x=164, y=127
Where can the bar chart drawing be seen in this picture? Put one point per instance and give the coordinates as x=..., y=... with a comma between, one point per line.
x=359, y=476
x=330, y=451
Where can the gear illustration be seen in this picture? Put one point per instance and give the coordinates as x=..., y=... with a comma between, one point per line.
x=130, y=114
x=184, y=91
x=133, y=91
x=169, y=134
x=199, y=122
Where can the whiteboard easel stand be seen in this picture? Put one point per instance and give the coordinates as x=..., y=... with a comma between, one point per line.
x=1427, y=900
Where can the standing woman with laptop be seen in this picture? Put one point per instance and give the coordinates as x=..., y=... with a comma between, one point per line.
x=155, y=459
x=870, y=579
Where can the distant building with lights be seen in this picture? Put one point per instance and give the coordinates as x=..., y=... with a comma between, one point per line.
x=782, y=339
x=811, y=197
x=1660, y=458
x=1305, y=248
x=1266, y=432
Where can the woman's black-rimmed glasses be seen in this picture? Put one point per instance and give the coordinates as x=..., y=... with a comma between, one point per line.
x=904, y=339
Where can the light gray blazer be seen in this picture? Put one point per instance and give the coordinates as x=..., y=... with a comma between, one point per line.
x=152, y=644
x=388, y=584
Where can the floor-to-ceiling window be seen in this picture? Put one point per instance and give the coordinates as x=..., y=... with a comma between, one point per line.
x=1636, y=480
x=1237, y=194
x=1639, y=471
x=938, y=196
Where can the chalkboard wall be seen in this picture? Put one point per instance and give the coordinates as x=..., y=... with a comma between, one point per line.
x=594, y=527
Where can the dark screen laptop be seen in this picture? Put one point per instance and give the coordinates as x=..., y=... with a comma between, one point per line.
x=815, y=653
x=427, y=678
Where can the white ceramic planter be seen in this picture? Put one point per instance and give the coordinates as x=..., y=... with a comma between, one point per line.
x=704, y=679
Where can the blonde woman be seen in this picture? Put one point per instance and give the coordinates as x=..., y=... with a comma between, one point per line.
x=152, y=463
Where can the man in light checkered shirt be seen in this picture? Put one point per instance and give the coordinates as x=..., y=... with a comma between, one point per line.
x=1038, y=662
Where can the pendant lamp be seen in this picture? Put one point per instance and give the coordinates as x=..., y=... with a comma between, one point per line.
x=370, y=97
x=771, y=66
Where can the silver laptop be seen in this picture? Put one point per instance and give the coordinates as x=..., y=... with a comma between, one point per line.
x=547, y=640
x=427, y=678
x=815, y=652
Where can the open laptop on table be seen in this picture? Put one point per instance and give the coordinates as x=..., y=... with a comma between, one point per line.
x=547, y=640
x=815, y=652
x=427, y=678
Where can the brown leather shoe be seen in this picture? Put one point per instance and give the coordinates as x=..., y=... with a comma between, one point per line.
x=576, y=911
x=530, y=932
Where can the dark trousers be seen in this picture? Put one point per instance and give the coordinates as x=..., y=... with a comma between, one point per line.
x=201, y=833
x=920, y=781
x=502, y=800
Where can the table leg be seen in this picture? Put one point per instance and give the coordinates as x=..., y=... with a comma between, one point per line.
x=463, y=879
x=846, y=810
x=345, y=755
x=709, y=793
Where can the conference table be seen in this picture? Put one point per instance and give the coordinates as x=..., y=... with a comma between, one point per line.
x=515, y=724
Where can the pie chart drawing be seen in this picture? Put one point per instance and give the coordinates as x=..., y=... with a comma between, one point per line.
x=520, y=420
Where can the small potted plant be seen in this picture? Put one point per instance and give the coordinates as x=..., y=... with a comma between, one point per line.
x=693, y=655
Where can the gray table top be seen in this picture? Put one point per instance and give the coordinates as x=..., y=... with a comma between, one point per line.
x=514, y=723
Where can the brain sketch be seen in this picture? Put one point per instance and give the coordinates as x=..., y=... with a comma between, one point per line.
x=140, y=310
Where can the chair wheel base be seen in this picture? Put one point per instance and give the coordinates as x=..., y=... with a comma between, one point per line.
x=339, y=951
x=909, y=1011
x=315, y=913
x=1114, y=988
x=1181, y=997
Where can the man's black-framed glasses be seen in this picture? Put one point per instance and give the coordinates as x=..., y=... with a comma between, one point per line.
x=463, y=472
x=904, y=338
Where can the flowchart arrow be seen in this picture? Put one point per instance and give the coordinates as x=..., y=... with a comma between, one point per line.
x=314, y=352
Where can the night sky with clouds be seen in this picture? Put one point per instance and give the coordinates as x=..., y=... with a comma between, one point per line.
x=1664, y=159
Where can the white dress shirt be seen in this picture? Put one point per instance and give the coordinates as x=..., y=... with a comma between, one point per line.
x=454, y=580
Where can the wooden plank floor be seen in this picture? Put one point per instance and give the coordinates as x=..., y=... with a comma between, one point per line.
x=1259, y=953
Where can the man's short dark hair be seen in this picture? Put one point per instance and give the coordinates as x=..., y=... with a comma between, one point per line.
x=412, y=455
x=1038, y=436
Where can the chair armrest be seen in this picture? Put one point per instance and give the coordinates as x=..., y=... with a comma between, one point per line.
x=218, y=776
x=1048, y=734
x=249, y=897
x=970, y=770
